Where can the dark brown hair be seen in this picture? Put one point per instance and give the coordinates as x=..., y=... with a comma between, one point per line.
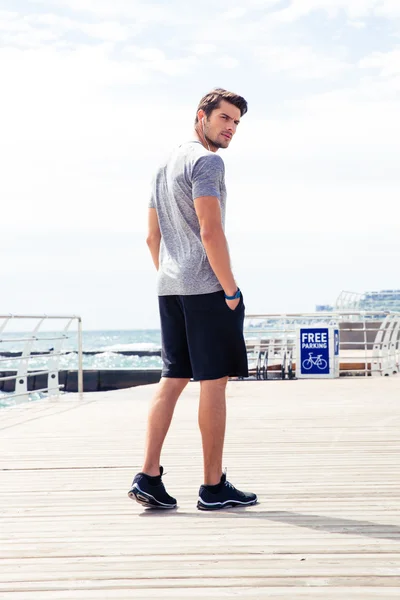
x=213, y=99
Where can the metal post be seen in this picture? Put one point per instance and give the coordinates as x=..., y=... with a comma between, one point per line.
x=80, y=357
x=366, y=347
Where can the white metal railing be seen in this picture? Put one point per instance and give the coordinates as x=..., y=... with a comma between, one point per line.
x=348, y=301
x=386, y=349
x=21, y=373
x=369, y=342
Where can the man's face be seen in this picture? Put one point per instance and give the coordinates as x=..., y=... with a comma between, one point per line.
x=220, y=126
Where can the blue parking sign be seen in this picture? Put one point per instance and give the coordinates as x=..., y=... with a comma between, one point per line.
x=337, y=340
x=314, y=351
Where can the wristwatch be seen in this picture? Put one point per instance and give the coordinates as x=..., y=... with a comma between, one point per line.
x=235, y=297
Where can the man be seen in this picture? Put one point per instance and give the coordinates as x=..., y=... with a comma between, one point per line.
x=201, y=307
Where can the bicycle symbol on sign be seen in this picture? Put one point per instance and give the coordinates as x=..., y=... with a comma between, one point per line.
x=314, y=361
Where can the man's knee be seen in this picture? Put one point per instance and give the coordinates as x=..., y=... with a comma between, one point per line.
x=217, y=384
x=173, y=383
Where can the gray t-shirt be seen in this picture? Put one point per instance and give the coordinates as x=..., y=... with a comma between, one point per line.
x=190, y=171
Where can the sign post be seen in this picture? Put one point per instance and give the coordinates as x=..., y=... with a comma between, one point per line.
x=317, y=352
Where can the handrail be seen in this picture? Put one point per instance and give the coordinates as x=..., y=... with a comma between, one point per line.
x=32, y=339
x=48, y=317
x=369, y=342
x=33, y=355
x=322, y=316
x=53, y=356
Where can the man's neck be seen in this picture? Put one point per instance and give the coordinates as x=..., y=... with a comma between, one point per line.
x=202, y=139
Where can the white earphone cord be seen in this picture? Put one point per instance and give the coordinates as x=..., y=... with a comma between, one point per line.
x=204, y=134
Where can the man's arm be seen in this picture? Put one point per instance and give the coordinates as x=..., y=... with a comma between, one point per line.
x=214, y=241
x=154, y=236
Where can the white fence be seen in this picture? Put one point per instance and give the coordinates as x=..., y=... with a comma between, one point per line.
x=369, y=342
x=21, y=374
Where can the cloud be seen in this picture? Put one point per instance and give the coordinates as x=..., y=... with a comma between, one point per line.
x=36, y=75
x=140, y=11
x=76, y=152
x=387, y=63
x=7, y=14
x=15, y=31
x=79, y=115
x=203, y=49
x=243, y=31
x=301, y=62
x=260, y=4
x=388, y=8
x=109, y=31
x=357, y=24
x=227, y=62
x=343, y=143
x=234, y=13
x=153, y=59
x=354, y=9
x=35, y=30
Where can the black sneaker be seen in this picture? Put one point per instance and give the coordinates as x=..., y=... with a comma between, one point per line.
x=227, y=496
x=150, y=495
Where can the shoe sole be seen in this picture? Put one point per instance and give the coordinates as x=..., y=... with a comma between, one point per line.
x=147, y=500
x=228, y=504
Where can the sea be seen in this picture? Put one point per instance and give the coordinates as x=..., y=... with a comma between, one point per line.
x=105, y=345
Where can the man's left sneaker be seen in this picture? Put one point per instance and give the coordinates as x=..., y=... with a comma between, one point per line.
x=150, y=494
x=226, y=496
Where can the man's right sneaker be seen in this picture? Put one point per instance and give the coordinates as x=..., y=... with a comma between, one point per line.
x=150, y=494
x=226, y=497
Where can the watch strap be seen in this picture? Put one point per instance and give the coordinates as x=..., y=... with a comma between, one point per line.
x=235, y=296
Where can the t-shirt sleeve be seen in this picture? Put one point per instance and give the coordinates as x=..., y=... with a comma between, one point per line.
x=152, y=203
x=208, y=174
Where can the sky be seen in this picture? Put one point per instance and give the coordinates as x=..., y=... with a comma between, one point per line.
x=95, y=93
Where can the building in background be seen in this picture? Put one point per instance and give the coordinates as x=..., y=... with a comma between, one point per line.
x=382, y=301
x=324, y=308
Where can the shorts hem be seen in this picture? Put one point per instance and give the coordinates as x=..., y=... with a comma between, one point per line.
x=176, y=376
x=213, y=377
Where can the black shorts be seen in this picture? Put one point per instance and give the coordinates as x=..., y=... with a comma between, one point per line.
x=202, y=338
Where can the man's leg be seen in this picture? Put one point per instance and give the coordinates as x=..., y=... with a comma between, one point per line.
x=217, y=350
x=159, y=420
x=212, y=422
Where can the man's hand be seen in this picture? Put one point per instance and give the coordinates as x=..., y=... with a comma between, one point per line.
x=232, y=303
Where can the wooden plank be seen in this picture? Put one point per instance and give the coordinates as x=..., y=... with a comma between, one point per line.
x=259, y=593
x=323, y=457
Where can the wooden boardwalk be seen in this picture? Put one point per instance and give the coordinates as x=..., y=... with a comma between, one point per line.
x=322, y=456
